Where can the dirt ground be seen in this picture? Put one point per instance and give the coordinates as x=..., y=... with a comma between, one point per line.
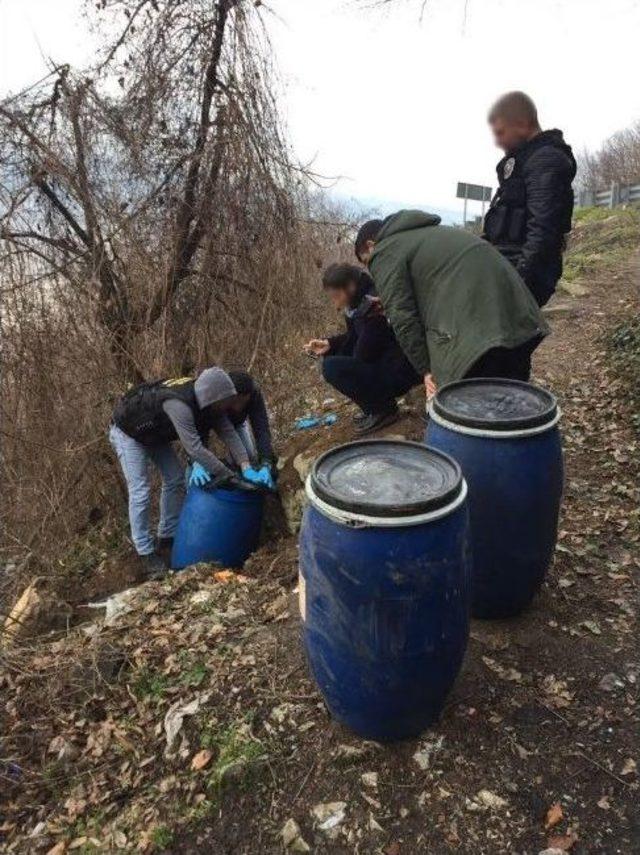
x=536, y=750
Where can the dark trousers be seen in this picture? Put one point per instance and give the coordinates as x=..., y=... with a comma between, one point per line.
x=510, y=363
x=373, y=386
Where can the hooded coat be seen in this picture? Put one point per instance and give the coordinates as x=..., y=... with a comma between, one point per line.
x=450, y=296
x=531, y=213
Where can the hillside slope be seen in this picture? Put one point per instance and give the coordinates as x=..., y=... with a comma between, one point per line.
x=188, y=723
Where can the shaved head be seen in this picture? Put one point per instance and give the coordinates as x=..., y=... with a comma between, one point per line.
x=514, y=119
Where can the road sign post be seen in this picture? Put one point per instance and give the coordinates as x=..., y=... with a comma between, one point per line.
x=475, y=193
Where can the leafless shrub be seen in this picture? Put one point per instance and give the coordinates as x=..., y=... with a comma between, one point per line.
x=617, y=161
x=153, y=221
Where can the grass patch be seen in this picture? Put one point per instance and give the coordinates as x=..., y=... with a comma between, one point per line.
x=601, y=238
x=237, y=752
x=193, y=673
x=149, y=684
x=162, y=836
x=624, y=347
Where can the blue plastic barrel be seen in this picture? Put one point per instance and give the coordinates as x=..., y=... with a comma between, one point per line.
x=218, y=527
x=384, y=584
x=505, y=437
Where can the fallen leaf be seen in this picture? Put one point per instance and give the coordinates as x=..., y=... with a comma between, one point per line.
x=629, y=767
x=58, y=849
x=557, y=692
x=374, y=825
x=427, y=751
x=554, y=816
x=201, y=759
x=592, y=626
x=603, y=803
x=490, y=800
x=512, y=675
x=562, y=842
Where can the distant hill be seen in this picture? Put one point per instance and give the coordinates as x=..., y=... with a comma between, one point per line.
x=376, y=205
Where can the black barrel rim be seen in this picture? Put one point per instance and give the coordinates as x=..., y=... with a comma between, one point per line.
x=546, y=405
x=322, y=489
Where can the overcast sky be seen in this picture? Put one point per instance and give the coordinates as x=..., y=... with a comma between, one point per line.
x=395, y=105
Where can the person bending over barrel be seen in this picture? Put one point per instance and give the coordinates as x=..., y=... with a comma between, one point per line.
x=458, y=307
x=365, y=363
x=151, y=416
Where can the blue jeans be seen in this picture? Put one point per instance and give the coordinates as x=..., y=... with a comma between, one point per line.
x=135, y=459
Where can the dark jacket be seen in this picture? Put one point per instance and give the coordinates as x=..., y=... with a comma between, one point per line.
x=370, y=338
x=450, y=297
x=256, y=414
x=530, y=215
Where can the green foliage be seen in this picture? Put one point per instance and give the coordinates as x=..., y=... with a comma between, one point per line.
x=149, y=684
x=237, y=752
x=162, y=836
x=601, y=237
x=193, y=672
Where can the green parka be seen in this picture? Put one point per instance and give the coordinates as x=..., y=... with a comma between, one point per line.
x=450, y=296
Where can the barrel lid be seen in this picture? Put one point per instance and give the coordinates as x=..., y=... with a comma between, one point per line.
x=386, y=478
x=495, y=404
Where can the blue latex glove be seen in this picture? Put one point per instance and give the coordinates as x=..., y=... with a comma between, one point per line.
x=199, y=476
x=267, y=477
x=315, y=421
x=303, y=424
x=259, y=477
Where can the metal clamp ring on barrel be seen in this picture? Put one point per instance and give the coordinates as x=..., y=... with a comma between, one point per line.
x=492, y=434
x=356, y=520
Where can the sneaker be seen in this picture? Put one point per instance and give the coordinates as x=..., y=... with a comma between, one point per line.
x=155, y=567
x=376, y=421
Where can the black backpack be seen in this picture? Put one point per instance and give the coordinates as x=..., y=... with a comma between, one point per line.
x=140, y=415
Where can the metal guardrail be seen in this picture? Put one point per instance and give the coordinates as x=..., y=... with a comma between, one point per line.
x=616, y=195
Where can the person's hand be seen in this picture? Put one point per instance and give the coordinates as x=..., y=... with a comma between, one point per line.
x=317, y=346
x=259, y=477
x=199, y=476
x=430, y=386
x=267, y=477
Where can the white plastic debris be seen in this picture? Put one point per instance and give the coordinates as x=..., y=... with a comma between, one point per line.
x=116, y=606
x=176, y=714
x=329, y=815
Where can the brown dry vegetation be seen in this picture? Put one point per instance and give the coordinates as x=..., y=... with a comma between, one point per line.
x=153, y=221
x=538, y=743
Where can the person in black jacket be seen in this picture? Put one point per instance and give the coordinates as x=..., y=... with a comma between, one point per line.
x=530, y=214
x=365, y=363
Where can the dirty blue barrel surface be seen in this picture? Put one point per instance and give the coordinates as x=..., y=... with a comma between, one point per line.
x=384, y=584
x=504, y=434
x=217, y=526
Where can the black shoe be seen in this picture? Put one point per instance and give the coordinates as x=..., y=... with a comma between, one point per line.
x=155, y=567
x=376, y=421
x=164, y=546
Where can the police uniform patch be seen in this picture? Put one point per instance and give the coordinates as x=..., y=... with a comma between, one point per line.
x=509, y=167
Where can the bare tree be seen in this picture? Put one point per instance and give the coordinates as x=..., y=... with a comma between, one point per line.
x=153, y=220
x=618, y=160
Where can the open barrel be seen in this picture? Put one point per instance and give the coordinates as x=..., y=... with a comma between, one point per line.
x=504, y=434
x=384, y=584
x=218, y=527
